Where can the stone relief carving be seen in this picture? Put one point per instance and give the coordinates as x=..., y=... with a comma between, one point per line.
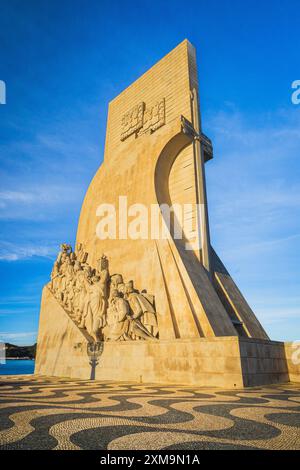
x=132, y=121
x=154, y=117
x=104, y=305
x=142, y=119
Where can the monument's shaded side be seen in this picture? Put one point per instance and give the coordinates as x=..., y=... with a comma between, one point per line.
x=150, y=309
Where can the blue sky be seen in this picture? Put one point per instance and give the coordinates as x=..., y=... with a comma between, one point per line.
x=63, y=61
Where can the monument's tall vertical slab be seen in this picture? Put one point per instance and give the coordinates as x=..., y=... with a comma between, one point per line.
x=150, y=159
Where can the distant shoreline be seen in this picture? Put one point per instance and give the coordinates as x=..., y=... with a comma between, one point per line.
x=19, y=359
x=14, y=352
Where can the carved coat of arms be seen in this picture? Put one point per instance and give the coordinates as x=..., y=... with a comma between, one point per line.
x=141, y=119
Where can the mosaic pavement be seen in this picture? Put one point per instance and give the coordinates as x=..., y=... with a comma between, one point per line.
x=53, y=413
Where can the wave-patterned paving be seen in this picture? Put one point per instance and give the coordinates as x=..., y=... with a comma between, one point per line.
x=56, y=413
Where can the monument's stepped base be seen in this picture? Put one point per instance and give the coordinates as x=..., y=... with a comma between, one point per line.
x=226, y=362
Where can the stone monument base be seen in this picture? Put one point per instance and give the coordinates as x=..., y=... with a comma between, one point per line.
x=227, y=362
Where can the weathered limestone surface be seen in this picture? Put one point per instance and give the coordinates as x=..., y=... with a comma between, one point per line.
x=208, y=334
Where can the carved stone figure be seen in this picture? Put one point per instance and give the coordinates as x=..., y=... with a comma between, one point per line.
x=81, y=255
x=78, y=288
x=122, y=289
x=103, y=273
x=142, y=309
x=115, y=280
x=69, y=279
x=54, y=284
x=65, y=250
x=117, y=318
x=86, y=321
x=96, y=307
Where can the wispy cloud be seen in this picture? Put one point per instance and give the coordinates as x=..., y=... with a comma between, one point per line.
x=18, y=299
x=15, y=311
x=14, y=252
x=272, y=315
x=261, y=247
x=34, y=202
x=48, y=168
x=16, y=335
x=15, y=196
x=253, y=188
x=259, y=135
x=51, y=156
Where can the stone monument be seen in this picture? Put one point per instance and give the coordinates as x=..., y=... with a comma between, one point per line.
x=152, y=308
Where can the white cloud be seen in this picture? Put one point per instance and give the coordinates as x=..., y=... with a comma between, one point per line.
x=19, y=299
x=16, y=335
x=50, y=194
x=4, y=312
x=254, y=249
x=262, y=133
x=272, y=315
x=52, y=154
x=15, y=252
x=15, y=196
